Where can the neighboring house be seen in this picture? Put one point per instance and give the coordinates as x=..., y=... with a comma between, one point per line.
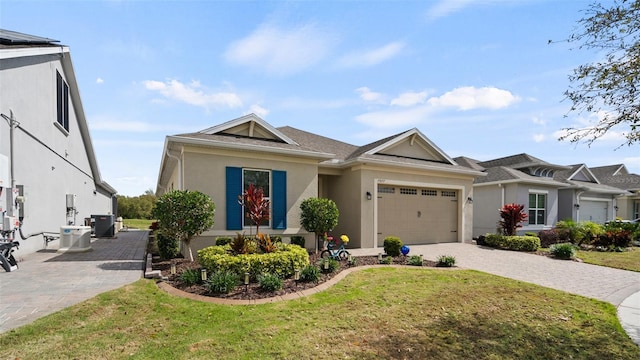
x=586, y=198
x=403, y=185
x=549, y=192
x=627, y=205
x=46, y=152
x=521, y=179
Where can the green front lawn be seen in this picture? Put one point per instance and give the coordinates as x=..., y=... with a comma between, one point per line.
x=628, y=260
x=372, y=314
x=137, y=223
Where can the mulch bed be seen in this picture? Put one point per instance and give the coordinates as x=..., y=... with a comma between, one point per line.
x=253, y=291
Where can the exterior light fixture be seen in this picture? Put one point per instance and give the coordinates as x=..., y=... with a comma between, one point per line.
x=246, y=281
x=379, y=257
x=296, y=276
x=369, y=196
x=173, y=268
x=470, y=200
x=326, y=264
x=577, y=206
x=203, y=274
x=616, y=208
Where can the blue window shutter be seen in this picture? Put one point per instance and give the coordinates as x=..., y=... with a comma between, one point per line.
x=279, y=199
x=233, y=190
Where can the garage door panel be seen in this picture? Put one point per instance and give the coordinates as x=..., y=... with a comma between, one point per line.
x=417, y=215
x=595, y=211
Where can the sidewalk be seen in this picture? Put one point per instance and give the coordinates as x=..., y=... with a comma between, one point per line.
x=618, y=287
x=47, y=281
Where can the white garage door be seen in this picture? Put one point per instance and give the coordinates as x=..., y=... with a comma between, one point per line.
x=595, y=211
x=417, y=215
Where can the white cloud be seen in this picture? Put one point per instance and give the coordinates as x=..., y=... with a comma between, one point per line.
x=539, y=138
x=538, y=121
x=446, y=7
x=367, y=95
x=372, y=57
x=99, y=81
x=194, y=94
x=410, y=98
x=468, y=98
x=258, y=110
x=279, y=51
x=108, y=123
x=395, y=118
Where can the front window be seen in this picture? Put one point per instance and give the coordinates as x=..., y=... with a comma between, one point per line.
x=537, y=209
x=260, y=180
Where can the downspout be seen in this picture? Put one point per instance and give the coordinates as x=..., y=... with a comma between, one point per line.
x=10, y=204
x=179, y=168
x=578, y=205
x=502, y=190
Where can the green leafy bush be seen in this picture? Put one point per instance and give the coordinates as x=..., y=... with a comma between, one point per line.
x=517, y=243
x=446, y=261
x=297, y=240
x=191, y=277
x=222, y=282
x=281, y=262
x=415, y=260
x=386, y=260
x=548, y=238
x=563, y=250
x=615, y=237
x=276, y=238
x=332, y=265
x=392, y=245
x=310, y=273
x=167, y=246
x=270, y=282
x=352, y=261
x=223, y=240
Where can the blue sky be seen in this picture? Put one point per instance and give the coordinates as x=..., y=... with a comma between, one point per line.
x=478, y=78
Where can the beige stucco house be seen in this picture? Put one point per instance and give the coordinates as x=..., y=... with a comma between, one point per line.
x=403, y=185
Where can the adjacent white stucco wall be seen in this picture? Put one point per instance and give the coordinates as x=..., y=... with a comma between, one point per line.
x=48, y=161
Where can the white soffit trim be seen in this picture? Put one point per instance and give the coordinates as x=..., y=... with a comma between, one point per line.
x=244, y=119
x=32, y=51
x=412, y=132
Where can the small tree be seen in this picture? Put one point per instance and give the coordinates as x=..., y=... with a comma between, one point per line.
x=255, y=205
x=512, y=216
x=319, y=216
x=184, y=214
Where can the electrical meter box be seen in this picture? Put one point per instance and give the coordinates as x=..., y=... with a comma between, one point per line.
x=4, y=171
x=9, y=223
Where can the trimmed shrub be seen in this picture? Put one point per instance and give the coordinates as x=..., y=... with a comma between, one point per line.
x=387, y=260
x=530, y=233
x=222, y=282
x=414, y=260
x=563, y=250
x=297, y=240
x=167, y=246
x=191, y=277
x=310, y=273
x=548, y=238
x=615, y=237
x=516, y=243
x=281, y=262
x=446, y=261
x=270, y=282
x=392, y=245
x=223, y=240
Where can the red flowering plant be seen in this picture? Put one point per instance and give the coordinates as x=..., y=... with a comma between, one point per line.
x=512, y=216
x=255, y=205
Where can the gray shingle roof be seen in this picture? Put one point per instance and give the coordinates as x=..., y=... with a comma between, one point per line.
x=507, y=174
x=469, y=162
x=519, y=161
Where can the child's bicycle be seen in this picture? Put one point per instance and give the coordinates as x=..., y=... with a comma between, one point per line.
x=338, y=254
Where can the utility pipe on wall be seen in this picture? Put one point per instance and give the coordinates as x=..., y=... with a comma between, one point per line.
x=12, y=123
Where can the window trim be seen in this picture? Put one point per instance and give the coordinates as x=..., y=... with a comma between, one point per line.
x=536, y=209
x=244, y=217
x=62, y=104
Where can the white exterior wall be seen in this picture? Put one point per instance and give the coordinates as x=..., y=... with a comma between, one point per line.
x=49, y=162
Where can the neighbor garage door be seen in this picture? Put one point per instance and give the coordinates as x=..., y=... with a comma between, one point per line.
x=417, y=215
x=595, y=211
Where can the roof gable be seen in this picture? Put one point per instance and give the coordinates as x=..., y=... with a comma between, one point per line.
x=411, y=144
x=249, y=126
x=579, y=172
